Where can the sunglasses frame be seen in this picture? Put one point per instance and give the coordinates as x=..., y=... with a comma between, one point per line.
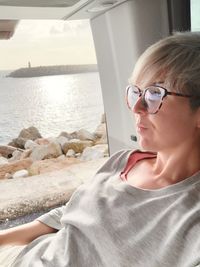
x=141, y=93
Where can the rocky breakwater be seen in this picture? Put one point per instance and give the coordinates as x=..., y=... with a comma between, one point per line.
x=32, y=161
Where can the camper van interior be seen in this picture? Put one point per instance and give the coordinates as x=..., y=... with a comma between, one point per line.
x=121, y=29
x=138, y=203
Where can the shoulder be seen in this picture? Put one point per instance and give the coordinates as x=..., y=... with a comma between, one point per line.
x=116, y=161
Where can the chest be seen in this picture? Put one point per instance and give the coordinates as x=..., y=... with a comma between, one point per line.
x=135, y=227
x=142, y=176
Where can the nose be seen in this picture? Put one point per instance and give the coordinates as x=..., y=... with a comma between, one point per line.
x=139, y=107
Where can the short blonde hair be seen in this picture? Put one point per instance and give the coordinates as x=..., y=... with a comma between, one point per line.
x=174, y=60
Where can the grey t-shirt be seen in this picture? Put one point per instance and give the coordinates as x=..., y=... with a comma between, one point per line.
x=109, y=223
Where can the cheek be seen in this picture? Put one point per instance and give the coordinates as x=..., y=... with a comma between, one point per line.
x=174, y=128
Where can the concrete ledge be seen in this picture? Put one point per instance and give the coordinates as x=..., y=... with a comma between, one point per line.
x=23, y=196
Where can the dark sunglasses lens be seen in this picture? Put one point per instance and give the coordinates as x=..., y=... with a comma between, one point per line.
x=153, y=98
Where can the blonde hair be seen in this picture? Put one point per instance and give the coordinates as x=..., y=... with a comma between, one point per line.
x=175, y=61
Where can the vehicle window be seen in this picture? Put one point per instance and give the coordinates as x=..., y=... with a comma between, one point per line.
x=195, y=18
x=51, y=115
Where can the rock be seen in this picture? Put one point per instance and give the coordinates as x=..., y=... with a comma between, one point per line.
x=52, y=150
x=95, y=152
x=42, y=141
x=73, y=135
x=102, y=140
x=16, y=155
x=77, y=145
x=19, y=142
x=101, y=130
x=65, y=134
x=70, y=153
x=102, y=147
x=3, y=160
x=49, y=165
x=14, y=166
x=26, y=153
x=20, y=174
x=62, y=140
x=30, y=133
x=6, y=151
x=8, y=176
x=30, y=144
x=90, y=154
x=51, y=139
x=61, y=157
x=12, y=144
x=85, y=135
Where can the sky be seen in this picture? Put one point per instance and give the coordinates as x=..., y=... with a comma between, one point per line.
x=48, y=42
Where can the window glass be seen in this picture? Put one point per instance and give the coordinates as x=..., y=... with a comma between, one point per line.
x=51, y=109
x=195, y=18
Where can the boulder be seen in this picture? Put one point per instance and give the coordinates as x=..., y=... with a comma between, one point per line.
x=6, y=151
x=30, y=133
x=70, y=153
x=73, y=135
x=52, y=150
x=3, y=160
x=16, y=155
x=42, y=141
x=20, y=174
x=95, y=152
x=100, y=130
x=77, y=145
x=85, y=135
x=8, y=176
x=62, y=140
x=30, y=144
x=26, y=153
x=14, y=166
x=65, y=134
x=19, y=142
x=61, y=157
x=102, y=140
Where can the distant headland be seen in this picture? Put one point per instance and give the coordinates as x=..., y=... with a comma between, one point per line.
x=52, y=70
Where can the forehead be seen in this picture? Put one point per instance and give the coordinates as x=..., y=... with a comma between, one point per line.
x=146, y=79
x=147, y=73
x=152, y=67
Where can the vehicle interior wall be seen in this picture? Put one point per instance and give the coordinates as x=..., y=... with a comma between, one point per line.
x=121, y=35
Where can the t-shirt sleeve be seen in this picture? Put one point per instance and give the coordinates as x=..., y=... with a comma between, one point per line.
x=52, y=218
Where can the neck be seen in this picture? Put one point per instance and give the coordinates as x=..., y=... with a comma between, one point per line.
x=178, y=165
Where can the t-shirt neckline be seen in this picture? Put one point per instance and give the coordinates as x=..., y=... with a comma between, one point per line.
x=170, y=189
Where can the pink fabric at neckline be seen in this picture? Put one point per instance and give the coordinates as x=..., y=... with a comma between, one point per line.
x=133, y=159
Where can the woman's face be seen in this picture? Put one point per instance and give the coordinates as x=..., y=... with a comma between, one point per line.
x=174, y=125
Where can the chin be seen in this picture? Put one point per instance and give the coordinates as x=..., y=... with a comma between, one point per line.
x=147, y=145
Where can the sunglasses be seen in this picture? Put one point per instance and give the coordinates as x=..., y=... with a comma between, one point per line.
x=151, y=97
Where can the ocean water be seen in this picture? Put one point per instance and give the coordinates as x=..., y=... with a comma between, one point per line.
x=50, y=103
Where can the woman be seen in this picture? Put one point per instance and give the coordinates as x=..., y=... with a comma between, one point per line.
x=142, y=208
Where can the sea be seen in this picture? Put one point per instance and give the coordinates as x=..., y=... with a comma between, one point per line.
x=50, y=103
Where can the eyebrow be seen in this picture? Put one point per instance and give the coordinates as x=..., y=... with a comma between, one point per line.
x=157, y=83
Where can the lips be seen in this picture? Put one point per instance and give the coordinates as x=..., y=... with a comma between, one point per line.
x=141, y=128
